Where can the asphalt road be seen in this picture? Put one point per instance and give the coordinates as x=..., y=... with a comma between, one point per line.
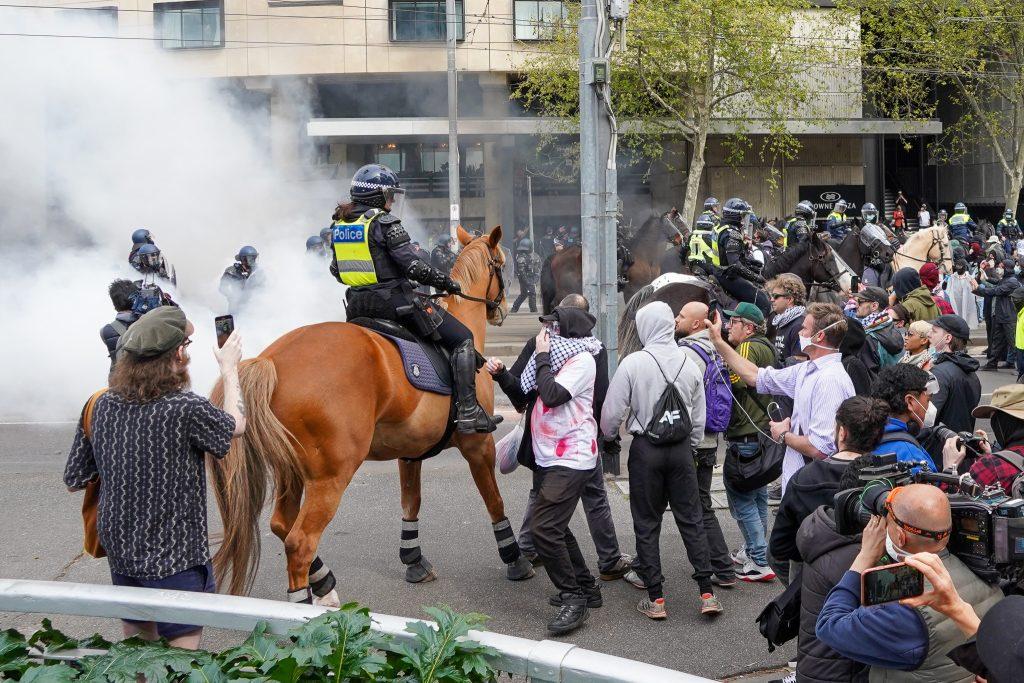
x=42, y=537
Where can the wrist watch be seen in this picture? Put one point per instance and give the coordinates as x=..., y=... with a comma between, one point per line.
x=782, y=438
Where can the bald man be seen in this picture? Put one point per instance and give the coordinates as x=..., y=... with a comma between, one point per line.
x=692, y=336
x=891, y=638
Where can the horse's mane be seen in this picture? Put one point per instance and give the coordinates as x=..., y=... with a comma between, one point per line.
x=467, y=268
x=784, y=262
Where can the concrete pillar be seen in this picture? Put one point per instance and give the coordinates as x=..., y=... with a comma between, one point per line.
x=872, y=171
x=290, y=147
x=499, y=157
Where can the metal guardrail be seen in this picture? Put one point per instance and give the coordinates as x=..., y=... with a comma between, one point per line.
x=545, y=660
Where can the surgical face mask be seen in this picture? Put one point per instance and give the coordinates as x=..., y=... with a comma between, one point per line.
x=893, y=551
x=929, y=414
x=807, y=341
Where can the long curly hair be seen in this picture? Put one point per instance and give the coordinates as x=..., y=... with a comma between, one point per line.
x=147, y=379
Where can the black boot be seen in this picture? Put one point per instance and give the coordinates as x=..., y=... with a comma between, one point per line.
x=470, y=418
x=571, y=616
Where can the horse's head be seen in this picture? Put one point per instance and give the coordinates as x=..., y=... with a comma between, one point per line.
x=826, y=266
x=874, y=243
x=479, y=269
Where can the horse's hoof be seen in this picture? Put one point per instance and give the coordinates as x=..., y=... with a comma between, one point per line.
x=520, y=570
x=329, y=600
x=420, y=572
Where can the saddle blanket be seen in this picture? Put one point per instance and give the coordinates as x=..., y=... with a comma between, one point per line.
x=419, y=370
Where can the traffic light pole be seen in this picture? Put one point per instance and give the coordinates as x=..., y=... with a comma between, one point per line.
x=454, y=199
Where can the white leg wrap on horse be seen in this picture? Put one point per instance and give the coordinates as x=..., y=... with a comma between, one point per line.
x=300, y=595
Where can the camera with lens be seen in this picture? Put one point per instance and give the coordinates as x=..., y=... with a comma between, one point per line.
x=988, y=526
x=972, y=442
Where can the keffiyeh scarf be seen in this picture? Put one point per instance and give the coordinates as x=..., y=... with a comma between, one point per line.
x=788, y=315
x=562, y=349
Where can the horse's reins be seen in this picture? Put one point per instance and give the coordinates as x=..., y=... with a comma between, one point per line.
x=492, y=304
x=942, y=253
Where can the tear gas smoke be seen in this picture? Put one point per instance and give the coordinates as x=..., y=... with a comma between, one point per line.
x=100, y=137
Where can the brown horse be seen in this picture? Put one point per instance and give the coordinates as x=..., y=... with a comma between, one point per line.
x=313, y=446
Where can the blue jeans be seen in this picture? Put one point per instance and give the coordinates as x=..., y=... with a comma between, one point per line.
x=750, y=510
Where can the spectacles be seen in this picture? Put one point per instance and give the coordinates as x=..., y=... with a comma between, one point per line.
x=185, y=343
x=781, y=296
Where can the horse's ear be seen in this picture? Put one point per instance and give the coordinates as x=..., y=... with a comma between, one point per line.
x=464, y=237
x=494, y=239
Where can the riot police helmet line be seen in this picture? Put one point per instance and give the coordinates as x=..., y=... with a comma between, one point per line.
x=841, y=205
x=314, y=242
x=326, y=233
x=704, y=222
x=1008, y=213
x=734, y=210
x=869, y=211
x=525, y=244
x=142, y=236
x=710, y=203
x=149, y=249
x=960, y=207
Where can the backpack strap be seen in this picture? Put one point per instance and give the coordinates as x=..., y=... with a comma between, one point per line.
x=890, y=437
x=87, y=412
x=667, y=383
x=118, y=326
x=1012, y=457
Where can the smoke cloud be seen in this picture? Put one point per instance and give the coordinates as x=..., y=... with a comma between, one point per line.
x=99, y=137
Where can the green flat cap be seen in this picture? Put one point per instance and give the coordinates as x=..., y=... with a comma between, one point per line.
x=156, y=332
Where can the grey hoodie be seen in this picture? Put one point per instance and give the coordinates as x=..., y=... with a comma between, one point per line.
x=638, y=383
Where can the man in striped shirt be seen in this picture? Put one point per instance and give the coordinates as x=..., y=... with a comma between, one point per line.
x=816, y=386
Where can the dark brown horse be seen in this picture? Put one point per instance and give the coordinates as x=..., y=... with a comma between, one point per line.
x=675, y=289
x=298, y=432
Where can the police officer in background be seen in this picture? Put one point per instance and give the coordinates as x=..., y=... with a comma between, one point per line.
x=738, y=276
x=241, y=278
x=527, y=270
x=703, y=247
x=881, y=244
x=942, y=219
x=315, y=246
x=441, y=256
x=711, y=209
x=373, y=255
x=150, y=261
x=1007, y=227
x=837, y=223
x=800, y=226
x=327, y=237
x=961, y=226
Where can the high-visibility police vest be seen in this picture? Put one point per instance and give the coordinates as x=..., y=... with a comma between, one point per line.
x=352, y=250
x=959, y=218
x=719, y=229
x=1019, y=342
x=704, y=246
x=789, y=229
x=836, y=216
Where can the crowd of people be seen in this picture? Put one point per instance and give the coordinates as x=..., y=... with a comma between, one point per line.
x=805, y=397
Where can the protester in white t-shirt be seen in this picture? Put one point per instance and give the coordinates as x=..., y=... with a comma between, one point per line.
x=564, y=435
x=924, y=217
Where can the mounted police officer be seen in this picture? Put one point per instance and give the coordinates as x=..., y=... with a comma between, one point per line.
x=837, y=223
x=441, y=256
x=961, y=226
x=711, y=209
x=527, y=271
x=1007, y=227
x=703, y=247
x=800, y=226
x=373, y=255
x=241, y=278
x=878, y=244
x=739, y=274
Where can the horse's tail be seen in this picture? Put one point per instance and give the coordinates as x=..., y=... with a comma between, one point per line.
x=629, y=340
x=240, y=478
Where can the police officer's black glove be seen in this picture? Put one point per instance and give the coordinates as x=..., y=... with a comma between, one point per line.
x=451, y=286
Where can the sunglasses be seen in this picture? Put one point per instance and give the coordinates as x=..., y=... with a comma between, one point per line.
x=781, y=296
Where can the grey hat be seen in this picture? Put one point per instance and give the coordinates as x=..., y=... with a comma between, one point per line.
x=156, y=332
x=953, y=324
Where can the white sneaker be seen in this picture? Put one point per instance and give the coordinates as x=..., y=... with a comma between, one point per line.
x=739, y=556
x=633, y=578
x=752, y=572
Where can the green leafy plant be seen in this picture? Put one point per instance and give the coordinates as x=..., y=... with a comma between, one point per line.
x=337, y=646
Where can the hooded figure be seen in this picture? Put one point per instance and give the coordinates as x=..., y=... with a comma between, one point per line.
x=916, y=298
x=930, y=278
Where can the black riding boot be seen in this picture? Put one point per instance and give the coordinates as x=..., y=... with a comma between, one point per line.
x=470, y=418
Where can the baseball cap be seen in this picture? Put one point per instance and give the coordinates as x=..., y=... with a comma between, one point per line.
x=747, y=311
x=953, y=324
x=1008, y=399
x=156, y=332
x=875, y=294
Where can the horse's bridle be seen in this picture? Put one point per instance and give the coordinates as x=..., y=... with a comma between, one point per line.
x=492, y=304
x=936, y=240
x=832, y=283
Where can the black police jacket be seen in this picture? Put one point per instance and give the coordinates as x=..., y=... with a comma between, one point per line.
x=734, y=255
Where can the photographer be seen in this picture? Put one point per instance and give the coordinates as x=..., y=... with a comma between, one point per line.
x=893, y=637
x=1000, y=640
x=905, y=388
x=986, y=468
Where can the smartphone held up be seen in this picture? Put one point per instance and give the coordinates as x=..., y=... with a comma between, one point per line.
x=224, y=326
x=892, y=582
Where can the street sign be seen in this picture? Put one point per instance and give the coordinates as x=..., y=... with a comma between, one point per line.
x=823, y=197
x=453, y=212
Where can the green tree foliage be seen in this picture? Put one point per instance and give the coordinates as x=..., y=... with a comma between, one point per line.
x=337, y=646
x=688, y=63
x=919, y=55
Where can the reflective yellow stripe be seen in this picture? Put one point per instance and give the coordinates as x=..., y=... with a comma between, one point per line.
x=700, y=250
x=959, y=218
x=1020, y=329
x=352, y=251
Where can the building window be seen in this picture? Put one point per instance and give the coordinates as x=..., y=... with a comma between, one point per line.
x=391, y=155
x=100, y=21
x=537, y=19
x=423, y=20
x=182, y=25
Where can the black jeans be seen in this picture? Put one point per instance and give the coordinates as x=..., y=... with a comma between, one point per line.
x=599, y=519
x=660, y=475
x=527, y=291
x=557, y=497
x=721, y=563
x=1002, y=342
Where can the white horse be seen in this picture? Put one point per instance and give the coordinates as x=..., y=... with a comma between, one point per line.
x=925, y=245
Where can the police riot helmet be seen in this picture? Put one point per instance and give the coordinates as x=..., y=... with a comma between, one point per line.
x=710, y=204
x=704, y=222
x=525, y=244
x=247, y=256
x=149, y=256
x=444, y=240
x=841, y=206
x=327, y=235
x=142, y=236
x=870, y=212
x=1008, y=214
x=734, y=210
x=314, y=243
x=804, y=210
x=375, y=185
x=960, y=208
x=943, y=213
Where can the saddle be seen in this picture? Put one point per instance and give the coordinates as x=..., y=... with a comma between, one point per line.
x=427, y=367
